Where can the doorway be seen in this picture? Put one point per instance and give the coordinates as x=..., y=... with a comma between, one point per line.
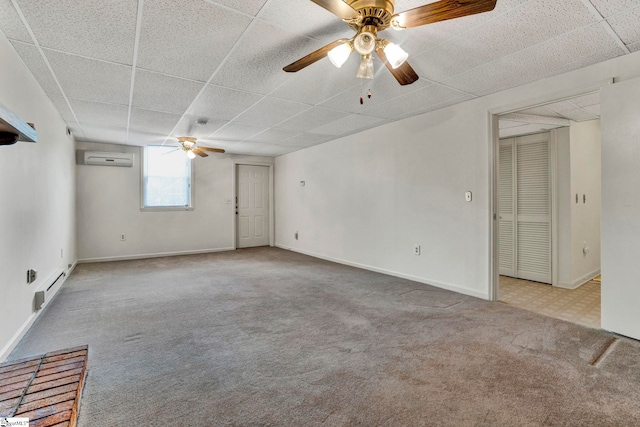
x=253, y=206
x=561, y=212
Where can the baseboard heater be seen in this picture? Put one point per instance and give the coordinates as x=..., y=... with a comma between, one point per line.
x=44, y=294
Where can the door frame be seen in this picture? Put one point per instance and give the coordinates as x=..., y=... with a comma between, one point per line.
x=493, y=139
x=234, y=186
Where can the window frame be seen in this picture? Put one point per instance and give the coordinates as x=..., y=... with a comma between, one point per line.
x=143, y=170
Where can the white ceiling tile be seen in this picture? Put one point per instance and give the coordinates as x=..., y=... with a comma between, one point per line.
x=579, y=115
x=310, y=119
x=187, y=39
x=318, y=82
x=270, y=112
x=587, y=100
x=93, y=28
x=626, y=25
x=593, y=109
x=257, y=65
x=545, y=59
x=216, y=102
x=158, y=92
x=251, y=7
x=503, y=36
x=94, y=113
x=611, y=7
x=540, y=111
x=561, y=106
x=97, y=133
x=524, y=130
x=426, y=99
x=142, y=138
x=634, y=47
x=35, y=63
x=189, y=126
x=348, y=125
x=91, y=80
x=152, y=121
x=383, y=87
x=61, y=105
x=275, y=136
x=236, y=132
x=505, y=124
x=11, y=24
x=307, y=139
x=305, y=18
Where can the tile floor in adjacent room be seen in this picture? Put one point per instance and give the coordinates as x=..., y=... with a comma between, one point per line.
x=580, y=305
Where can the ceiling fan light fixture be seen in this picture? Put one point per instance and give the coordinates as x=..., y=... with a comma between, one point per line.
x=191, y=155
x=395, y=55
x=365, y=70
x=365, y=42
x=339, y=54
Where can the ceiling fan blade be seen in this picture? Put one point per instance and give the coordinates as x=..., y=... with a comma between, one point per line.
x=215, y=150
x=199, y=153
x=404, y=74
x=338, y=8
x=312, y=57
x=441, y=11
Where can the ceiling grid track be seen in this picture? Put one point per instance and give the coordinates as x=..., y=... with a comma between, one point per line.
x=134, y=63
x=44, y=57
x=606, y=25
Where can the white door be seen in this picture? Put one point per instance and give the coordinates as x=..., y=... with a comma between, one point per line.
x=525, y=214
x=252, y=206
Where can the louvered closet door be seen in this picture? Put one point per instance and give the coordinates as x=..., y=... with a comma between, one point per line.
x=506, y=226
x=533, y=208
x=525, y=208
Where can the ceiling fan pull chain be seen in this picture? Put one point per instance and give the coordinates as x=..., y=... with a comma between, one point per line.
x=369, y=95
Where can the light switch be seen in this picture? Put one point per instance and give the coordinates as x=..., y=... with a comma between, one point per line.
x=302, y=183
x=468, y=196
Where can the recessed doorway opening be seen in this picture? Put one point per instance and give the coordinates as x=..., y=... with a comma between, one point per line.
x=548, y=209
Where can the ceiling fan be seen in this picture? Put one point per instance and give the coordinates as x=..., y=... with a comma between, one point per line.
x=188, y=146
x=368, y=17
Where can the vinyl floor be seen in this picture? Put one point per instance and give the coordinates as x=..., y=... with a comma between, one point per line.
x=580, y=305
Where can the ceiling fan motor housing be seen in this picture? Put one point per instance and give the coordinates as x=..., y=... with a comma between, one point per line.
x=373, y=12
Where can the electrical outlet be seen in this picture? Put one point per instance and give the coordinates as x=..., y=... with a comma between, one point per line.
x=123, y=237
x=416, y=249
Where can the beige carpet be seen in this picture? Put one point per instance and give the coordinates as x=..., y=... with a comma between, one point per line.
x=267, y=337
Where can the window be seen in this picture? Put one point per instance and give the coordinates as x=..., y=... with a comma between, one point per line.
x=166, y=179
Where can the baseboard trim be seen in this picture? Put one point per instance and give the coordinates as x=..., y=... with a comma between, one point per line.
x=437, y=284
x=579, y=281
x=153, y=255
x=15, y=339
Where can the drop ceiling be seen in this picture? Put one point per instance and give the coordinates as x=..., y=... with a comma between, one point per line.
x=141, y=72
x=550, y=116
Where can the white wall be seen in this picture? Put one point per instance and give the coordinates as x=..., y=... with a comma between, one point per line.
x=586, y=180
x=370, y=196
x=621, y=208
x=564, y=202
x=578, y=172
x=37, y=204
x=108, y=200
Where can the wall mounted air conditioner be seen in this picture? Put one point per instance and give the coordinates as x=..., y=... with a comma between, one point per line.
x=104, y=158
